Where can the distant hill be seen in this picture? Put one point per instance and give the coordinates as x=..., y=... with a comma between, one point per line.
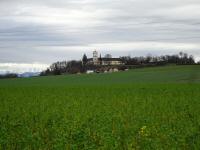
x=29, y=74
x=165, y=74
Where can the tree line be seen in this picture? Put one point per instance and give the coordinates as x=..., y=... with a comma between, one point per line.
x=179, y=59
x=81, y=66
x=70, y=67
x=8, y=75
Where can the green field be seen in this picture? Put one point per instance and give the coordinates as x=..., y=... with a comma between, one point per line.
x=150, y=108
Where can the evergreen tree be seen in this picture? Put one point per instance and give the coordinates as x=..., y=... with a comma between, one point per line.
x=84, y=59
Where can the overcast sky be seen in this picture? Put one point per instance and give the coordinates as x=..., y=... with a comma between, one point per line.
x=35, y=33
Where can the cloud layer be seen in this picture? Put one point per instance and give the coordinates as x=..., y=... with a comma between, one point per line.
x=49, y=30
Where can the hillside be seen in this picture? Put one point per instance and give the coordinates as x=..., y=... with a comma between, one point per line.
x=149, y=108
x=167, y=74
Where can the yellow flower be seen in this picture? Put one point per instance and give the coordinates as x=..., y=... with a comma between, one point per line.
x=142, y=131
x=144, y=127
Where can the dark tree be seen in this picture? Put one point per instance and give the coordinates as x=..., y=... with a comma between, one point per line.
x=84, y=59
x=9, y=75
x=191, y=60
x=100, y=59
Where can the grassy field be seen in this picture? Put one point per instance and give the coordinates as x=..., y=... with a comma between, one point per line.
x=150, y=108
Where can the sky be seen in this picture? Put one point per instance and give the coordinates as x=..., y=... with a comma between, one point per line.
x=34, y=34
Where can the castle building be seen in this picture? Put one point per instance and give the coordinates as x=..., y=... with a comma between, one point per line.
x=95, y=58
x=107, y=60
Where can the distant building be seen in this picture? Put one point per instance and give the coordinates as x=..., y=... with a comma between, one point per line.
x=90, y=71
x=107, y=60
x=95, y=58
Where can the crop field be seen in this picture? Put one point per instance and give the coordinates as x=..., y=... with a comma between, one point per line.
x=149, y=108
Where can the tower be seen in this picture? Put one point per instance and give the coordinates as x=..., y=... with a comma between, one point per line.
x=95, y=57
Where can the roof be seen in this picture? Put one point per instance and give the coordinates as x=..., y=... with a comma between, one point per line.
x=89, y=59
x=111, y=59
x=106, y=59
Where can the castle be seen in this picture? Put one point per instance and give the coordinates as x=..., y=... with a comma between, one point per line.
x=107, y=60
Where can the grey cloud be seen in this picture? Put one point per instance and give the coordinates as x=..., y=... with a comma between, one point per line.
x=49, y=30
